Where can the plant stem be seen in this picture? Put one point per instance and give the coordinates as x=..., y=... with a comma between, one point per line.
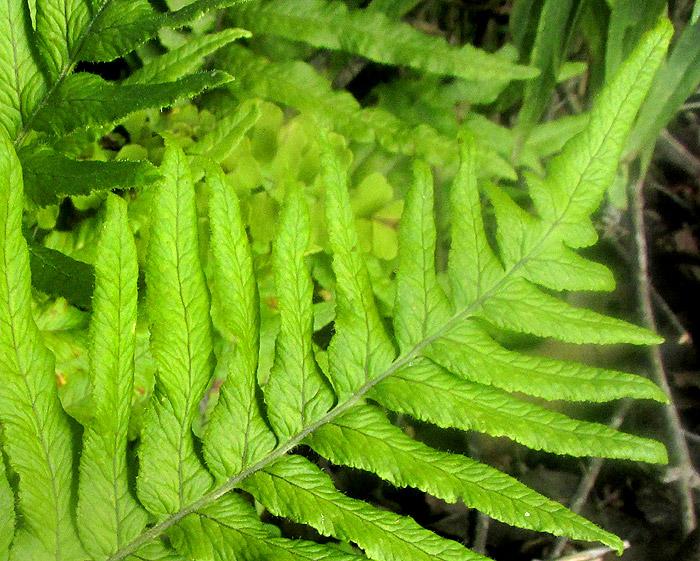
x=679, y=456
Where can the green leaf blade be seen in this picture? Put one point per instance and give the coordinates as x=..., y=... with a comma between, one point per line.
x=121, y=27
x=360, y=350
x=37, y=434
x=236, y=434
x=473, y=268
x=522, y=307
x=580, y=173
x=56, y=274
x=467, y=350
x=534, y=248
x=363, y=438
x=223, y=530
x=296, y=488
x=21, y=83
x=171, y=474
x=108, y=515
x=184, y=60
x=60, y=25
x=421, y=305
x=296, y=394
x=85, y=100
x=429, y=393
x=49, y=176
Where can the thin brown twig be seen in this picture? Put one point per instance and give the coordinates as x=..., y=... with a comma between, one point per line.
x=586, y=484
x=674, y=151
x=679, y=456
x=659, y=300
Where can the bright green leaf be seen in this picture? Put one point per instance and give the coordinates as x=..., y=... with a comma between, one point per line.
x=465, y=349
x=108, y=515
x=60, y=25
x=429, y=393
x=171, y=475
x=296, y=393
x=37, y=434
x=221, y=531
x=84, y=100
x=295, y=488
x=236, y=435
x=363, y=438
x=360, y=350
x=421, y=306
x=49, y=176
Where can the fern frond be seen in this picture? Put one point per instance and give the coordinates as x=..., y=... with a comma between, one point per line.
x=37, y=435
x=299, y=85
x=435, y=362
x=68, y=31
x=119, y=27
x=184, y=60
x=329, y=24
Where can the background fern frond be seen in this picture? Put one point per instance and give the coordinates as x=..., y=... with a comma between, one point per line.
x=86, y=100
x=50, y=176
x=373, y=35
